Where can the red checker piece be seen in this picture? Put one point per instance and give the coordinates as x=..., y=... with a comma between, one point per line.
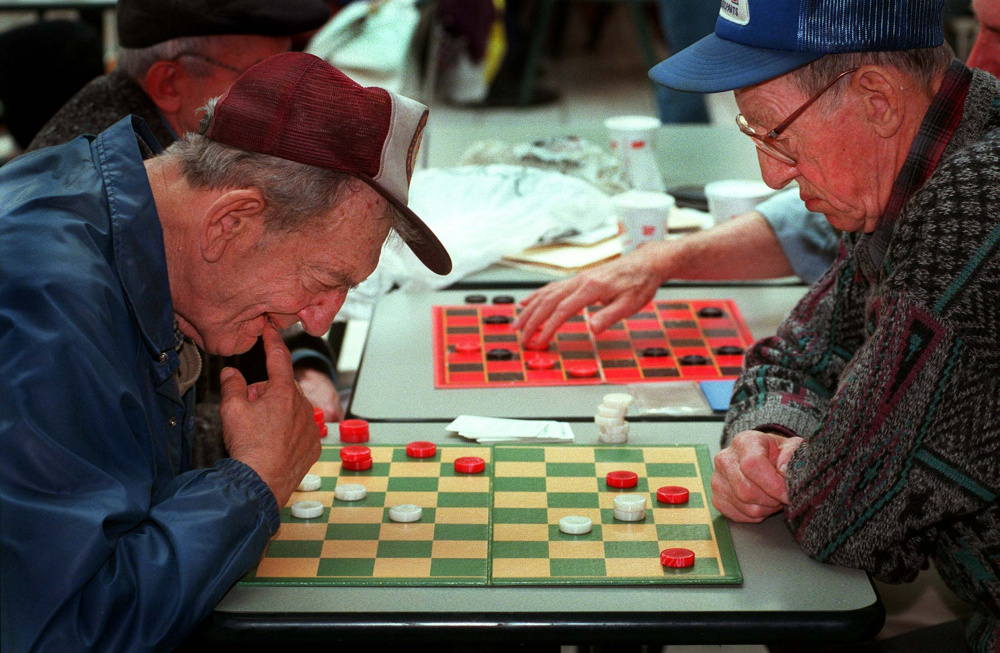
x=467, y=347
x=540, y=362
x=355, y=454
x=677, y=558
x=581, y=370
x=622, y=479
x=354, y=430
x=469, y=464
x=320, y=421
x=672, y=494
x=359, y=466
x=534, y=344
x=421, y=449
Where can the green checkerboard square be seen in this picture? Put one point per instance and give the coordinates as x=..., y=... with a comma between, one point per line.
x=519, y=484
x=683, y=532
x=404, y=549
x=520, y=516
x=477, y=532
x=426, y=516
x=413, y=484
x=294, y=549
x=617, y=455
x=608, y=517
x=570, y=469
x=519, y=454
x=352, y=531
x=399, y=456
x=631, y=550
x=577, y=567
x=556, y=535
x=573, y=500
x=463, y=500
x=680, y=470
x=520, y=549
x=449, y=567
x=346, y=567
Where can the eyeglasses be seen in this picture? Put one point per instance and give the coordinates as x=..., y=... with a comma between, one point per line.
x=767, y=143
x=211, y=61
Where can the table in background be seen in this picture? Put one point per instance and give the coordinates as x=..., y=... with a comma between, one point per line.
x=785, y=595
x=395, y=381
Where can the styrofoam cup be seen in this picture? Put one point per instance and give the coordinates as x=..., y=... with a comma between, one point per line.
x=643, y=215
x=631, y=141
x=730, y=197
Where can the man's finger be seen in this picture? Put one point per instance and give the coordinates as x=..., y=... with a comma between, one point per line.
x=279, y=359
x=232, y=385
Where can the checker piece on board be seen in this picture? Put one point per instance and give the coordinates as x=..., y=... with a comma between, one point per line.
x=622, y=479
x=356, y=458
x=421, y=449
x=469, y=465
x=630, y=507
x=350, y=492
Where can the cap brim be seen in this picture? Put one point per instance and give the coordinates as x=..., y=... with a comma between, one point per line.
x=425, y=245
x=713, y=65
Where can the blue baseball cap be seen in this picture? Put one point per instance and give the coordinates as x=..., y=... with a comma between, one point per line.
x=758, y=40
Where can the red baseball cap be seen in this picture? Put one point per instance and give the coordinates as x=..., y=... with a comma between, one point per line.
x=298, y=107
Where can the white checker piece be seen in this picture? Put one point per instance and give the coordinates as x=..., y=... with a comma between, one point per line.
x=350, y=492
x=406, y=513
x=310, y=483
x=574, y=525
x=307, y=509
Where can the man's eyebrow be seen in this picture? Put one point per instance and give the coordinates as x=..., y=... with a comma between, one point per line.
x=333, y=278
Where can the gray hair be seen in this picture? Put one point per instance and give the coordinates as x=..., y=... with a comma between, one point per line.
x=296, y=194
x=136, y=62
x=922, y=65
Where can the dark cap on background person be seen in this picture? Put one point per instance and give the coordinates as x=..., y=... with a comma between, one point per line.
x=758, y=40
x=144, y=23
x=298, y=107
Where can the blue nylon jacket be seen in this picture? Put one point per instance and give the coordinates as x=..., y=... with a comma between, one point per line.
x=107, y=540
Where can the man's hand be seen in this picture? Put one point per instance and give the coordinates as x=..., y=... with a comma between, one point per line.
x=270, y=425
x=624, y=286
x=749, y=480
x=319, y=389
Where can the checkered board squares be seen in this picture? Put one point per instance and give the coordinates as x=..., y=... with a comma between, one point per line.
x=501, y=527
x=534, y=487
x=355, y=542
x=620, y=352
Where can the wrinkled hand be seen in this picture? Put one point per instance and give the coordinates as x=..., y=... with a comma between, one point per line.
x=749, y=480
x=319, y=389
x=623, y=286
x=270, y=425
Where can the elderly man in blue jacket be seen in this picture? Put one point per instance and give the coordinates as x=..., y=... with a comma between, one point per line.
x=114, y=264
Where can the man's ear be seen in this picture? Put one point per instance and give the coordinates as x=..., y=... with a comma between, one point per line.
x=162, y=85
x=234, y=220
x=882, y=96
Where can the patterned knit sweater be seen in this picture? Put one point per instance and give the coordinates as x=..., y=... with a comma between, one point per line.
x=891, y=373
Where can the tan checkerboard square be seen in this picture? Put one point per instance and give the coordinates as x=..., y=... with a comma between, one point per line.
x=459, y=549
x=371, y=483
x=520, y=500
x=311, y=531
x=633, y=567
x=326, y=498
x=462, y=516
x=521, y=532
x=571, y=484
x=411, y=531
x=344, y=513
x=414, y=469
x=680, y=515
x=569, y=454
x=669, y=455
x=581, y=549
x=288, y=567
x=402, y=568
x=629, y=532
x=521, y=567
x=350, y=548
x=326, y=468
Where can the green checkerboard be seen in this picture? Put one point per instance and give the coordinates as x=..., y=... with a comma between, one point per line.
x=500, y=527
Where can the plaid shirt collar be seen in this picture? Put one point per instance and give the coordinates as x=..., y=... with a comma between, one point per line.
x=943, y=117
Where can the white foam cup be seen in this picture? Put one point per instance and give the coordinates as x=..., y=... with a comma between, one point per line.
x=631, y=140
x=643, y=215
x=730, y=197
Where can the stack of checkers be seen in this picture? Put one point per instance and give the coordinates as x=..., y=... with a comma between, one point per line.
x=610, y=418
